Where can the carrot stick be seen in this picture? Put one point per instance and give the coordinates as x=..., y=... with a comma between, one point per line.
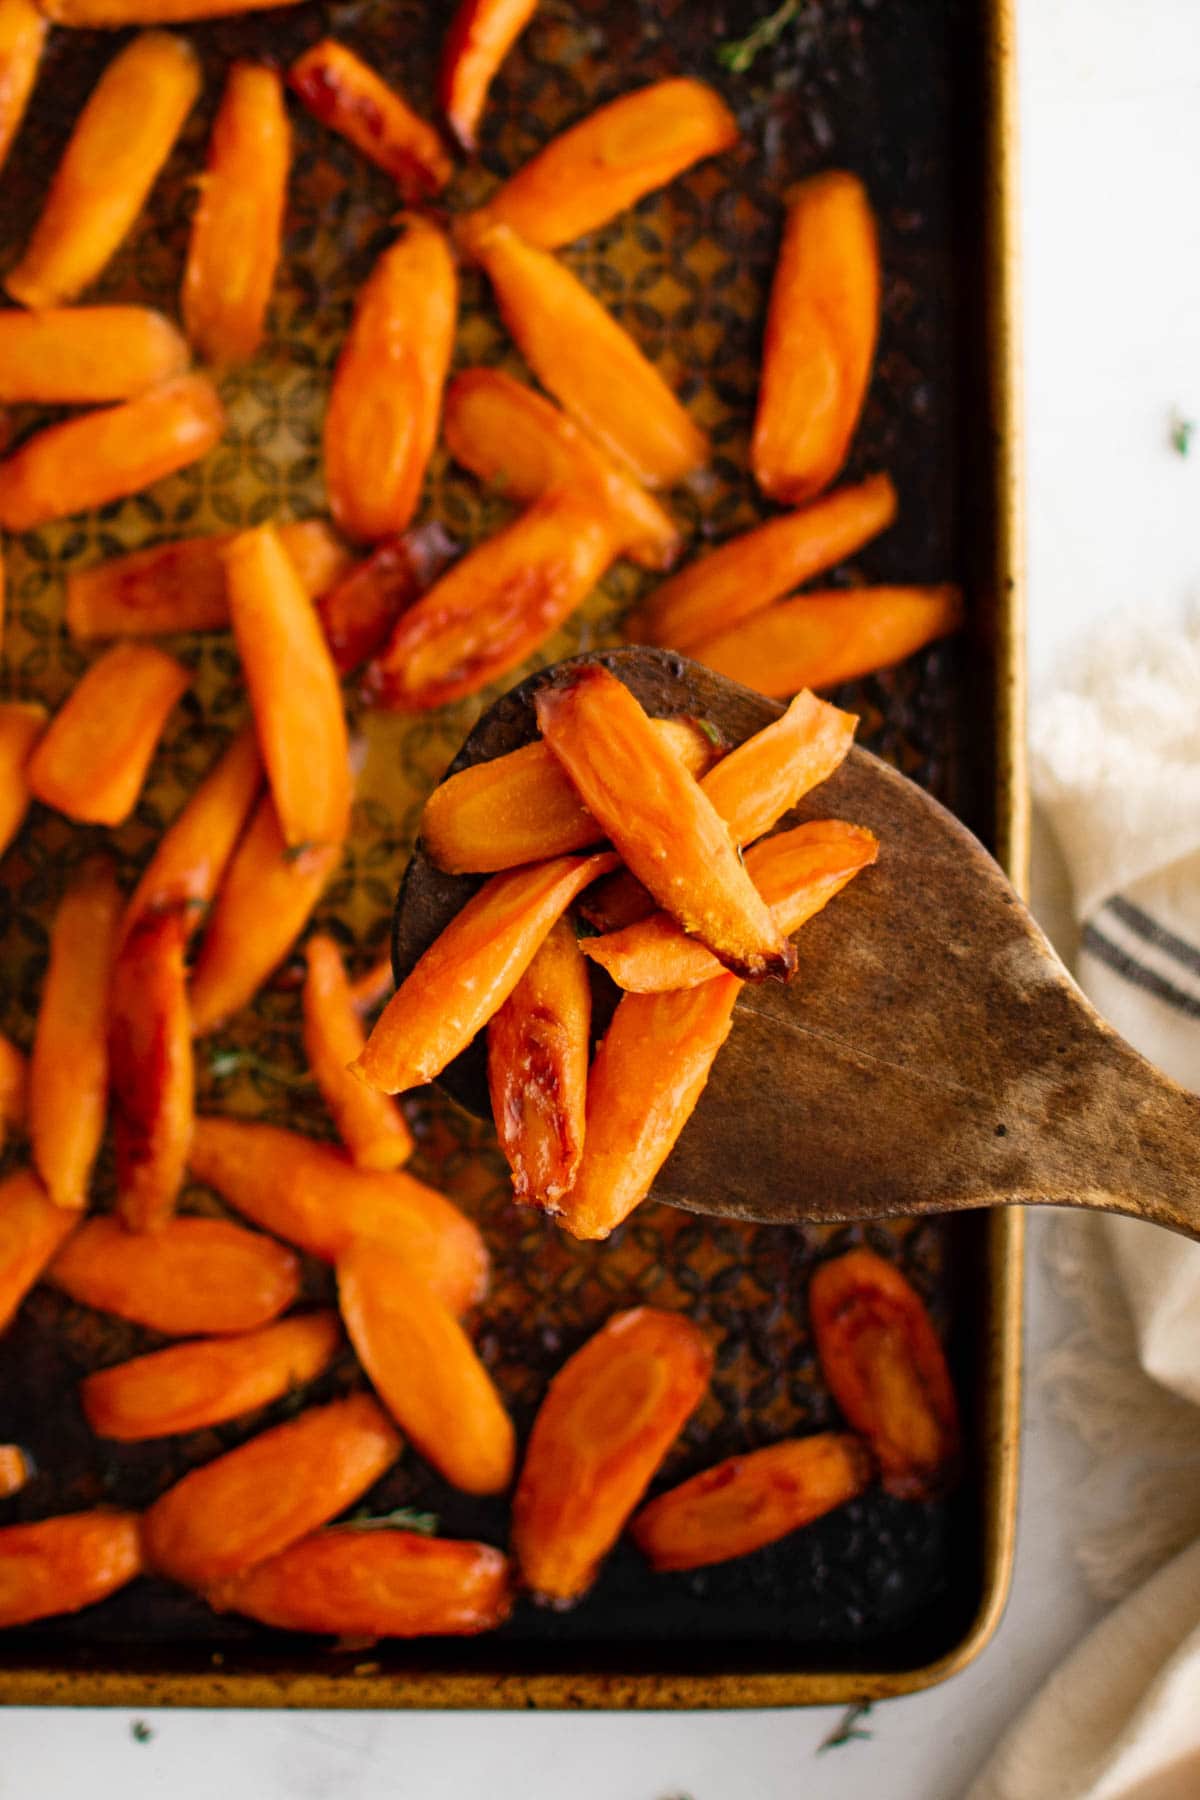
x=188, y=1386
x=609, y=1417
x=375, y=985
x=92, y=760
x=238, y=225
x=120, y=141
x=22, y=38
x=63, y=1564
x=14, y=1077
x=84, y=354
x=252, y=1503
x=15, y=1470
x=90, y=14
x=84, y=463
x=150, y=1058
x=359, y=613
x=422, y=1365
x=468, y=973
x=481, y=35
x=538, y=1069
x=21, y=725
x=68, y=1070
x=32, y=1229
x=194, y=1275
x=370, y=1124
x=313, y=1195
x=346, y=94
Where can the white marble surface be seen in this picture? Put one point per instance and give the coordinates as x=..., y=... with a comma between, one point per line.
x=1110, y=101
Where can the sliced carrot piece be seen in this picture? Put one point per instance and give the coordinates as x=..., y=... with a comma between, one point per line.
x=15, y=1470
x=589, y=363
x=22, y=723
x=887, y=1370
x=150, y=1060
x=370, y=1124
x=64, y=1564
x=481, y=35
x=255, y=1501
x=311, y=1194
x=14, y=1076
x=382, y=420
x=748, y=1501
x=238, y=226
x=194, y=1275
x=359, y=613
x=120, y=142
x=346, y=94
x=376, y=983
x=114, y=14
x=84, y=463
x=744, y=575
x=84, y=354
x=68, y=1070
x=293, y=688
x=22, y=38
x=609, y=1417
x=31, y=1230
x=191, y=1385
x=381, y=1583
x=424, y=1368
x=92, y=760
x=822, y=323
x=468, y=973
x=667, y=830
x=538, y=1069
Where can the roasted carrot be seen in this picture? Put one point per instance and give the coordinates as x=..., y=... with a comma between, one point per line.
x=15, y=1470
x=481, y=35
x=887, y=1370
x=818, y=640
x=822, y=322
x=195, y=1275
x=106, y=455
x=262, y=905
x=744, y=575
x=150, y=1063
x=92, y=759
x=90, y=14
x=121, y=140
x=68, y=1070
x=191, y=1385
x=468, y=973
x=32, y=1229
x=313, y=1195
x=382, y=419
x=609, y=1417
x=85, y=354
x=64, y=1564
x=538, y=1069
x=375, y=985
x=370, y=1124
x=22, y=37
x=359, y=613
x=424, y=1368
x=13, y=1082
x=22, y=723
x=374, y=1584
x=667, y=830
x=611, y=158
x=346, y=94
x=589, y=362
x=748, y=1501
x=238, y=225
x=252, y=1503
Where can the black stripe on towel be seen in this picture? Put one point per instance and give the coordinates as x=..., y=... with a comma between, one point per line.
x=1151, y=932
x=1136, y=973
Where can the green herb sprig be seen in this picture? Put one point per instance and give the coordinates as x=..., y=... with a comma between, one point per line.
x=740, y=54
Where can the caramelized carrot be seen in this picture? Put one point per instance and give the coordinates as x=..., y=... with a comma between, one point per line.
x=84, y=354
x=13, y=1083
x=68, y=1070
x=887, y=1370
x=194, y=1275
x=744, y=575
x=89, y=14
x=382, y=420
x=31, y=1230
x=822, y=323
x=21, y=725
x=468, y=973
x=481, y=35
x=346, y=94
x=370, y=1124
x=818, y=640
x=191, y=1385
x=422, y=1365
x=22, y=37
x=589, y=362
x=667, y=830
x=374, y=1584
x=538, y=1069
x=15, y=1470
x=293, y=690
x=92, y=760
x=120, y=141
x=64, y=1564
x=609, y=1417
x=84, y=463
x=748, y=1501
x=238, y=225
x=150, y=1059
x=359, y=613
x=252, y=1503
x=312, y=1195
x=375, y=985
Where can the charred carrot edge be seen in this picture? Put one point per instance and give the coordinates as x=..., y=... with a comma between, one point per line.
x=13, y=1083
x=114, y=14
x=359, y=613
x=371, y=1125
x=31, y=1230
x=481, y=35
x=22, y=37
x=375, y=985
x=21, y=725
x=15, y=1470
x=346, y=94
x=609, y=1417
x=887, y=1370
x=85, y=354
x=120, y=142
x=63, y=1564
x=92, y=759
x=468, y=973
x=191, y=1385
x=150, y=1065
x=252, y=1503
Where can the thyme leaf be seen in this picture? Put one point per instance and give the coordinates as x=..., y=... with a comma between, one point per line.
x=740, y=54
x=1182, y=432
x=224, y=1063
x=140, y=1732
x=848, y=1728
x=404, y=1518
